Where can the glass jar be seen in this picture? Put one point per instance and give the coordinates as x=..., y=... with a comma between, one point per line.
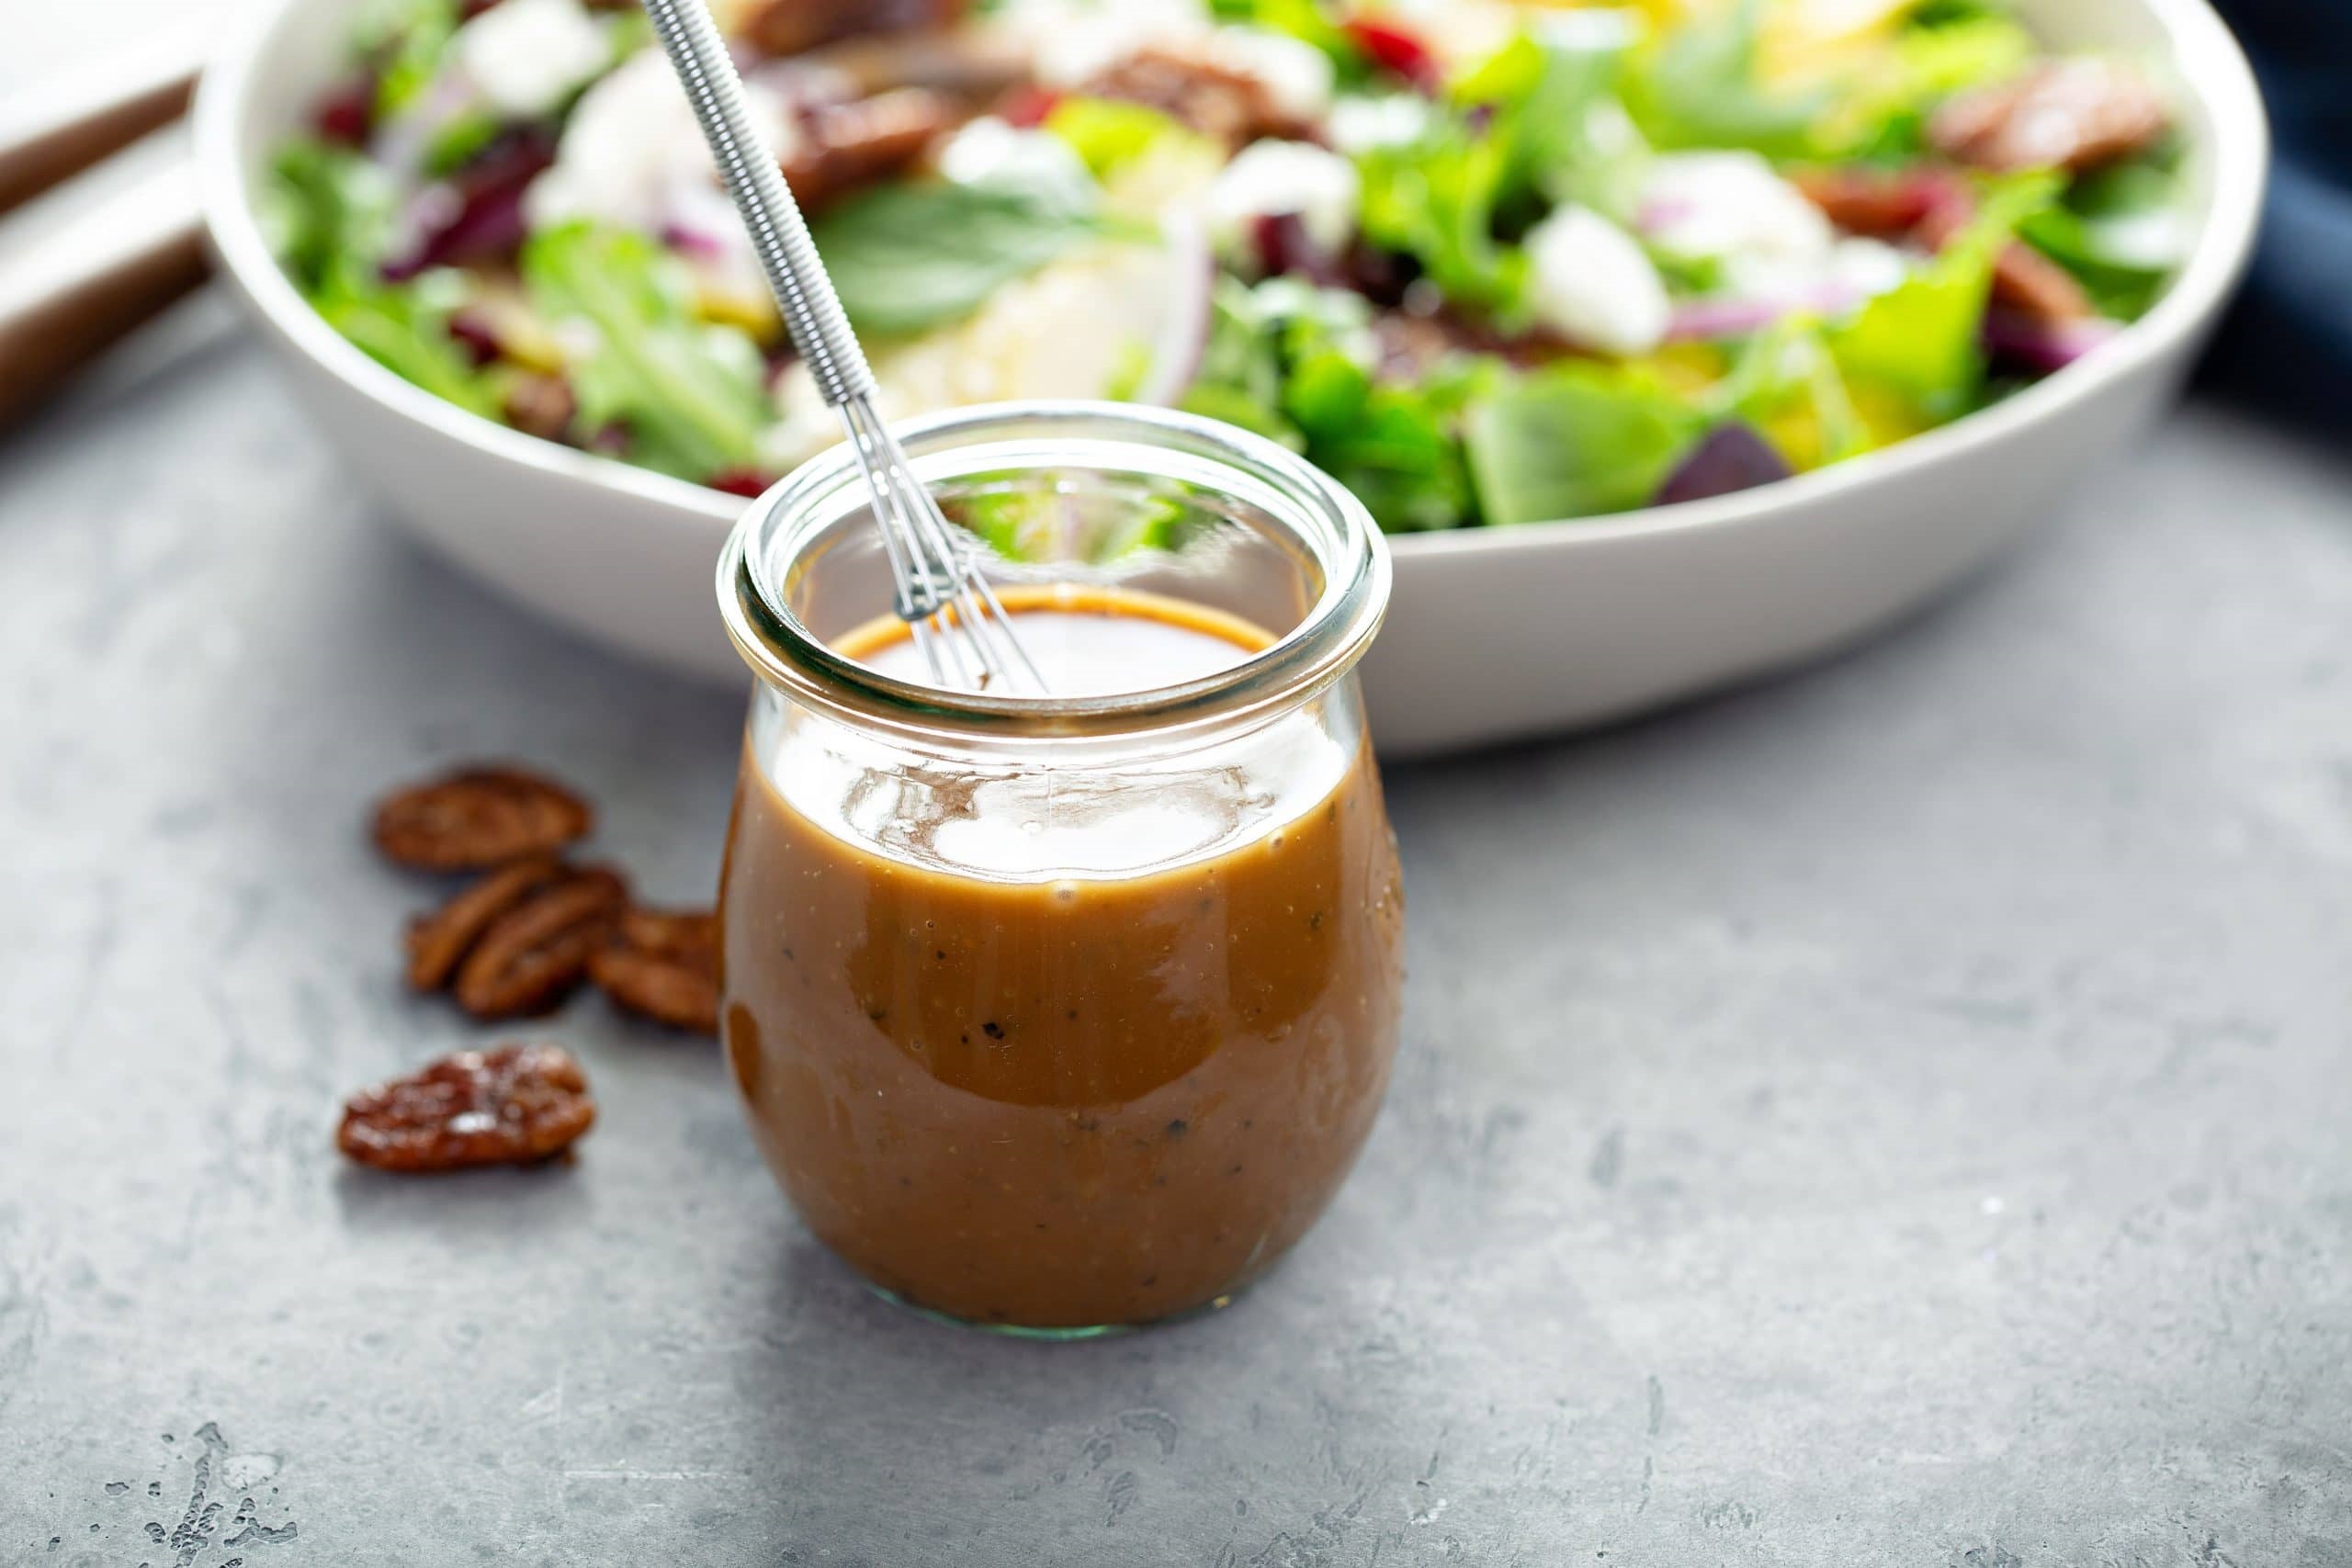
x=1064, y=1014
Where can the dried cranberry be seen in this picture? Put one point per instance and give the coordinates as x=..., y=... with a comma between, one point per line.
x=515, y=1105
x=1381, y=276
x=347, y=113
x=1732, y=457
x=1285, y=246
x=472, y=332
x=1029, y=105
x=1400, y=53
x=484, y=221
x=747, y=482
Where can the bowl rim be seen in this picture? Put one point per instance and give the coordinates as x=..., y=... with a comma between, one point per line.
x=2207, y=61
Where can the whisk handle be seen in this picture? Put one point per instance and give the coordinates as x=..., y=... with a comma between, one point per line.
x=812, y=312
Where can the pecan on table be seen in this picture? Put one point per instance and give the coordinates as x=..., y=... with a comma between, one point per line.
x=664, y=966
x=478, y=817
x=514, y=1105
x=528, y=959
x=2070, y=113
x=437, y=942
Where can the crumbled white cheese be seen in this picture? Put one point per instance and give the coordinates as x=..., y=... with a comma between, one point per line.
x=632, y=156
x=1069, y=41
x=1270, y=178
x=1360, y=124
x=1724, y=204
x=526, y=56
x=1599, y=30
x=1869, y=267
x=1590, y=282
x=989, y=151
x=1297, y=76
x=1851, y=271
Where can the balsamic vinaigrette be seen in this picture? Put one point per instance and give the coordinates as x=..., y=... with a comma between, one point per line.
x=1087, y=641
x=1063, y=1050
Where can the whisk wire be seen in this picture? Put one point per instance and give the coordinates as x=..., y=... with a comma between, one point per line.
x=955, y=618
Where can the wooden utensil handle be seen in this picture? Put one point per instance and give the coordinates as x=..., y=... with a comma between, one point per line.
x=48, y=134
x=75, y=292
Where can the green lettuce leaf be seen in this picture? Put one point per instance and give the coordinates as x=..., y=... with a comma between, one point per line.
x=1577, y=440
x=691, y=394
x=1696, y=87
x=1786, y=384
x=1920, y=340
x=405, y=328
x=409, y=39
x=1295, y=363
x=2120, y=232
x=1882, y=116
x=1306, y=20
x=1566, y=135
x=326, y=213
x=1436, y=200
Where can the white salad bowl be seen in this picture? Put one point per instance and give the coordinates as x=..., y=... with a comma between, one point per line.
x=1493, y=632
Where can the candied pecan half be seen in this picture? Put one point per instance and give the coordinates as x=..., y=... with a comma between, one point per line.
x=2070, y=113
x=843, y=146
x=1229, y=106
x=437, y=942
x=478, y=817
x=664, y=966
x=2023, y=279
x=541, y=406
x=1930, y=206
x=1882, y=204
x=790, y=27
x=531, y=957
x=514, y=1105
x=2034, y=286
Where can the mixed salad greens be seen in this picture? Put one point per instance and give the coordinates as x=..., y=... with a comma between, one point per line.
x=1484, y=262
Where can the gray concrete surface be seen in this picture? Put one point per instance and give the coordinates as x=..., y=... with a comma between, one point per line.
x=1898, y=1115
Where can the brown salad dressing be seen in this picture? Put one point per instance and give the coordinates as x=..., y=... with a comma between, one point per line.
x=1021, y=1094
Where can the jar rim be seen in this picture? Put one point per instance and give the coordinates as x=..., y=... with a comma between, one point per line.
x=756, y=568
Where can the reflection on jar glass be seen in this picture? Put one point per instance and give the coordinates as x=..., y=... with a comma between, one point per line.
x=1065, y=1014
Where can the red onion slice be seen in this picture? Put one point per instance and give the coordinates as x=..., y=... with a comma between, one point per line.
x=1183, y=334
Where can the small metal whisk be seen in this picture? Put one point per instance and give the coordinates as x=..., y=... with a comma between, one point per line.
x=958, y=624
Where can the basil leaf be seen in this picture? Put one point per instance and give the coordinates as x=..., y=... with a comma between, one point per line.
x=905, y=258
